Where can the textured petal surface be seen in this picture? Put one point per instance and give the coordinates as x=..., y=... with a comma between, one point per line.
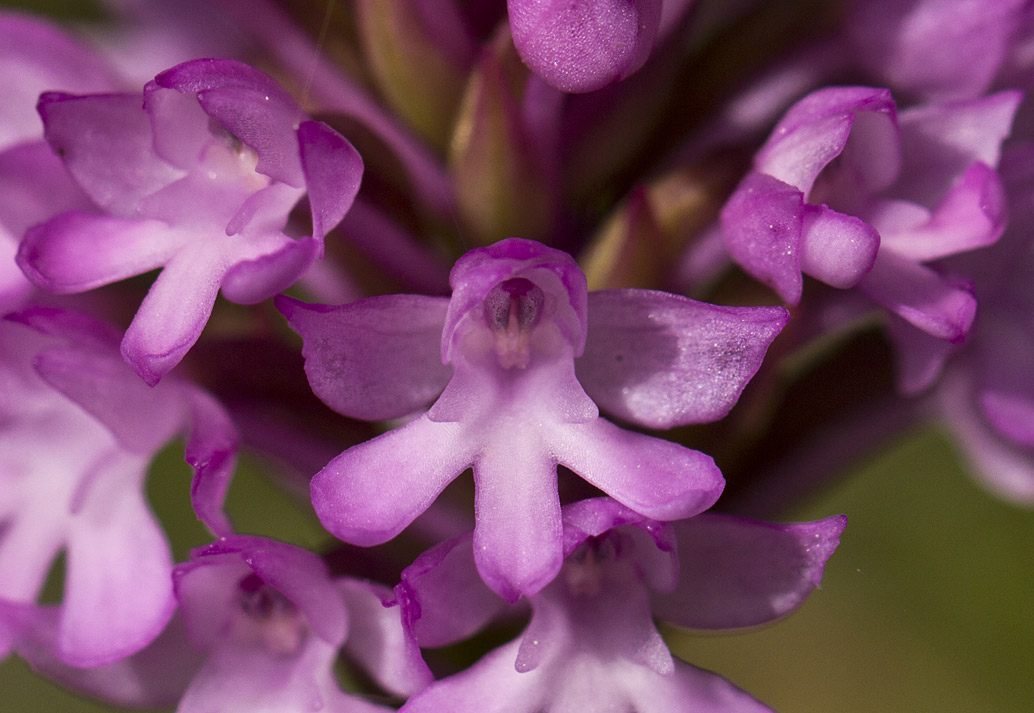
x=737, y=573
x=374, y=359
x=584, y=45
x=762, y=223
x=660, y=360
x=856, y=124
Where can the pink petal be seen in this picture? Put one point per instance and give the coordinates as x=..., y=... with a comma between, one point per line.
x=584, y=45
x=374, y=359
x=171, y=317
x=762, y=223
x=369, y=493
x=433, y=584
x=378, y=642
x=264, y=125
x=1001, y=466
x=141, y=418
x=837, y=249
x=856, y=123
x=736, y=572
x=118, y=592
x=211, y=450
x=333, y=170
x=105, y=141
x=253, y=281
x=656, y=478
x=518, y=536
x=920, y=296
x=660, y=360
x=76, y=251
x=972, y=215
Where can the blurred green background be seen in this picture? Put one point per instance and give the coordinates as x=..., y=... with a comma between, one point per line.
x=926, y=606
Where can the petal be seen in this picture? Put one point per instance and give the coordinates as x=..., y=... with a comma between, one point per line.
x=941, y=140
x=687, y=689
x=661, y=360
x=856, y=123
x=151, y=678
x=837, y=249
x=171, y=317
x=75, y=251
x=375, y=359
x=249, y=104
x=736, y=572
x=118, y=591
x=518, y=535
x=378, y=642
x=253, y=281
x=999, y=464
x=141, y=418
x=584, y=45
x=489, y=686
x=432, y=585
x=264, y=125
x=369, y=493
x=919, y=357
x=656, y=478
x=1012, y=414
x=299, y=575
x=105, y=141
x=333, y=170
x=34, y=186
x=762, y=223
x=972, y=215
x=211, y=450
x=920, y=296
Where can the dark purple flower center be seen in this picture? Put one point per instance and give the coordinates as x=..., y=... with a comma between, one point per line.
x=512, y=309
x=585, y=570
x=270, y=618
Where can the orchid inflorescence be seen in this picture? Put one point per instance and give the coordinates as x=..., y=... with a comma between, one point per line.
x=500, y=231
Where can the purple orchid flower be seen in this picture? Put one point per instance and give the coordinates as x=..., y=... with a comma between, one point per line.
x=592, y=642
x=584, y=45
x=199, y=181
x=78, y=432
x=855, y=195
x=271, y=622
x=523, y=355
